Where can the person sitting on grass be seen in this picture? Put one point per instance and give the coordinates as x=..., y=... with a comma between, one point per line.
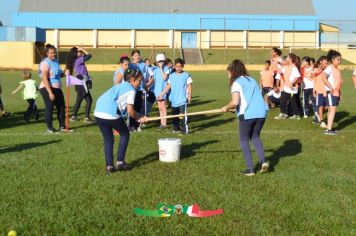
x=29, y=94
x=251, y=112
x=180, y=85
x=111, y=109
x=274, y=98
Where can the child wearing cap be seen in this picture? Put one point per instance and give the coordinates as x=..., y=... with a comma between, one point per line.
x=160, y=75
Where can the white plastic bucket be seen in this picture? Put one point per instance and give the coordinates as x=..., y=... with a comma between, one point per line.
x=169, y=149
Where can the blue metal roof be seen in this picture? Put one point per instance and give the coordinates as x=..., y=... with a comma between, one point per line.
x=165, y=21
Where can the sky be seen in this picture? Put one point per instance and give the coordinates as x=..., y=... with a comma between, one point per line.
x=341, y=9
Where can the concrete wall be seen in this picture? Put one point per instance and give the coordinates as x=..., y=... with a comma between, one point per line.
x=115, y=38
x=299, y=39
x=16, y=55
x=146, y=38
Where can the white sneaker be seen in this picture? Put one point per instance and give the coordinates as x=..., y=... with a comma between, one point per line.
x=264, y=168
x=294, y=117
x=323, y=125
x=281, y=116
x=305, y=116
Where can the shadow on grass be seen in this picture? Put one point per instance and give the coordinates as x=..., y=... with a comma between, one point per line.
x=341, y=115
x=289, y=148
x=25, y=146
x=213, y=123
x=187, y=151
x=345, y=123
x=16, y=119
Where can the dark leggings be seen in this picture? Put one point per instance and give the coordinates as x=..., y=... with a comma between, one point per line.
x=289, y=101
x=181, y=122
x=31, y=109
x=250, y=130
x=309, y=95
x=106, y=128
x=58, y=102
x=81, y=95
x=139, y=107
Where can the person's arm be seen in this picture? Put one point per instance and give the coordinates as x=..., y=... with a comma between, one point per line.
x=235, y=101
x=45, y=80
x=118, y=78
x=18, y=88
x=161, y=68
x=354, y=79
x=165, y=90
x=327, y=83
x=189, y=91
x=135, y=115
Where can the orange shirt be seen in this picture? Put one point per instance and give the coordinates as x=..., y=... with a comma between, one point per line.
x=267, y=78
x=337, y=81
x=319, y=85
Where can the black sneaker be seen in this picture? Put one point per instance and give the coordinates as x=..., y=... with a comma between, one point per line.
x=330, y=132
x=37, y=117
x=248, y=172
x=110, y=170
x=26, y=118
x=123, y=167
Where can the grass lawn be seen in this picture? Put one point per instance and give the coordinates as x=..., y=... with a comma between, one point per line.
x=55, y=184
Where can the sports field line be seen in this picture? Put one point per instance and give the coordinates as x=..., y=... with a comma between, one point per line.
x=4, y=134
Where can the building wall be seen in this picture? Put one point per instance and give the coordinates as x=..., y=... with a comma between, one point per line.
x=233, y=39
x=263, y=39
x=9, y=59
x=147, y=38
x=75, y=37
x=299, y=39
x=161, y=38
x=116, y=38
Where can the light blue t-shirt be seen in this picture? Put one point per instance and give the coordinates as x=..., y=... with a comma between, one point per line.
x=252, y=104
x=159, y=83
x=114, y=100
x=143, y=68
x=55, y=70
x=179, y=82
x=121, y=71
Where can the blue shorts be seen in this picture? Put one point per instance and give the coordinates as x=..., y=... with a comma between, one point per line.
x=327, y=101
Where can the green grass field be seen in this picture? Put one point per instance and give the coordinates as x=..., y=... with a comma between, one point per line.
x=55, y=184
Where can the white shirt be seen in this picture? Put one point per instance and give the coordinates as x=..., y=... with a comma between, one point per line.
x=274, y=94
x=294, y=74
x=308, y=84
x=329, y=74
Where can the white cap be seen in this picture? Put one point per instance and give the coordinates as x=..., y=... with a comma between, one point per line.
x=160, y=57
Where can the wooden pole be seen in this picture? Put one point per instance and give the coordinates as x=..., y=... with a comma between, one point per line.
x=188, y=114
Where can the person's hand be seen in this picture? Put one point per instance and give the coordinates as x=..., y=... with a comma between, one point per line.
x=189, y=99
x=159, y=97
x=332, y=92
x=51, y=97
x=224, y=109
x=143, y=119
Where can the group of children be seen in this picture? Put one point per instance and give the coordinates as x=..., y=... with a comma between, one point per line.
x=303, y=87
x=160, y=83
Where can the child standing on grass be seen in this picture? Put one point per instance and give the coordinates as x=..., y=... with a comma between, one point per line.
x=266, y=79
x=180, y=84
x=251, y=111
x=29, y=94
x=319, y=90
x=308, y=87
x=160, y=76
x=119, y=73
x=110, y=110
x=333, y=82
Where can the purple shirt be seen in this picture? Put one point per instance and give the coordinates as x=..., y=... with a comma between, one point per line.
x=79, y=66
